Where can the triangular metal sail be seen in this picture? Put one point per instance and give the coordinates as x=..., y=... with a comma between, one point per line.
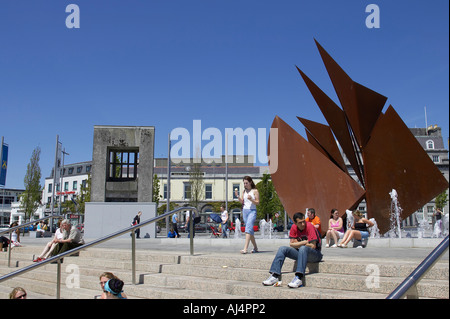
x=337, y=122
x=361, y=105
x=306, y=178
x=321, y=135
x=397, y=161
x=306, y=174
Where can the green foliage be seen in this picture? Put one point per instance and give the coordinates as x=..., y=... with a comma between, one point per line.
x=31, y=197
x=269, y=202
x=155, y=194
x=441, y=200
x=162, y=209
x=197, y=185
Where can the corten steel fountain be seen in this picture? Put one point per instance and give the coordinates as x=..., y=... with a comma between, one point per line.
x=380, y=148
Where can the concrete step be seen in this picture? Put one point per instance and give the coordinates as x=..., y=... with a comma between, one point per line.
x=218, y=276
x=345, y=282
x=250, y=289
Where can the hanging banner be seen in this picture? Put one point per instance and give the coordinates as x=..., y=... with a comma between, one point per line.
x=4, y=164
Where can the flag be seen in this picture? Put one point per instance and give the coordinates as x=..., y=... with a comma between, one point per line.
x=4, y=164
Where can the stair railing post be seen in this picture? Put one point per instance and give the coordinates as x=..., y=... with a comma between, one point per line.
x=9, y=250
x=58, y=279
x=133, y=256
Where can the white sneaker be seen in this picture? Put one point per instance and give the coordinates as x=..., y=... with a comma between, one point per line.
x=270, y=281
x=327, y=246
x=334, y=246
x=295, y=283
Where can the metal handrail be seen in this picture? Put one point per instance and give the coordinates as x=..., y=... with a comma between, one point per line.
x=131, y=229
x=12, y=229
x=409, y=286
x=30, y=223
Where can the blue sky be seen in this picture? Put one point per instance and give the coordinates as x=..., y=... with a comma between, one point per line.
x=228, y=63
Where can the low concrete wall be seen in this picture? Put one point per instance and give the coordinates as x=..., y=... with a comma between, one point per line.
x=102, y=219
x=231, y=242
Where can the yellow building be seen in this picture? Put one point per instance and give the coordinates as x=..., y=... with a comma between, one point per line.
x=214, y=175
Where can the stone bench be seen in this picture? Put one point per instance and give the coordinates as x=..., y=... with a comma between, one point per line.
x=356, y=242
x=363, y=243
x=37, y=234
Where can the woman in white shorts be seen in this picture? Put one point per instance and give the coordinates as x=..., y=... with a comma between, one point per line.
x=335, y=228
x=249, y=200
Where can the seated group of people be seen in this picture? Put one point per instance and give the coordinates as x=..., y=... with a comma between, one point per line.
x=306, y=242
x=359, y=229
x=336, y=227
x=67, y=237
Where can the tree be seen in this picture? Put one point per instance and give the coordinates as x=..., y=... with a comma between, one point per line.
x=31, y=197
x=441, y=200
x=197, y=185
x=155, y=194
x=269, y=202
x=77, y=204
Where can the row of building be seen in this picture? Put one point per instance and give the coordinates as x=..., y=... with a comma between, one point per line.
x=214, y=176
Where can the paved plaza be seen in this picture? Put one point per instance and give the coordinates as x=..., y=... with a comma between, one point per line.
x=407, y=249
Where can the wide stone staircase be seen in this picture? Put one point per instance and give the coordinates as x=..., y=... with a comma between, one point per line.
x=175, y=275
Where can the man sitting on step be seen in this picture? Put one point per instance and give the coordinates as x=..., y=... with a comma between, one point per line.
x=305, y=246
x=72, y=238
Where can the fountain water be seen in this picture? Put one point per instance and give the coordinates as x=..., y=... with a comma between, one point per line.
x=350, y=219
x=437, y=229
x=445, y=225
x=374, y=231
x=396, y=211
x=421, y=228
x=237, y=229
x=266, y=229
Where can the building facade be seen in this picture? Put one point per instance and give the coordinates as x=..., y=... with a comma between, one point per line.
x=215, y=173
x=8, y=196
x=73, y=178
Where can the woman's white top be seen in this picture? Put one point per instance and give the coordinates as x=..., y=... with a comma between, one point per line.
x=59, y=234
x=224, y=216
x=247, y=203
x=14, y=236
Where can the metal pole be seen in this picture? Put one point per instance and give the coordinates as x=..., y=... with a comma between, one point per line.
x=58, y=279
x=62, y=178
x=191, y=232
x=9, y=250
x=226, y=173
x=408, y=286
x=168, y=186
x=54, y=182
x=133, y=257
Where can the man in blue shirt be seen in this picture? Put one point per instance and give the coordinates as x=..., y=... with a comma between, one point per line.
x=175, y=225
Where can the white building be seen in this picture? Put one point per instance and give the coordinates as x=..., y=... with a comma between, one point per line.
x=74, y=176
x=8, y=196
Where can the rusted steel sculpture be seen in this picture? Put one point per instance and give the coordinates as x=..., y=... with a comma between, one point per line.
x=382, y=151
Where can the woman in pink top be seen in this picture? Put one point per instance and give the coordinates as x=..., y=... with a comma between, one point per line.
x=335, y=228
